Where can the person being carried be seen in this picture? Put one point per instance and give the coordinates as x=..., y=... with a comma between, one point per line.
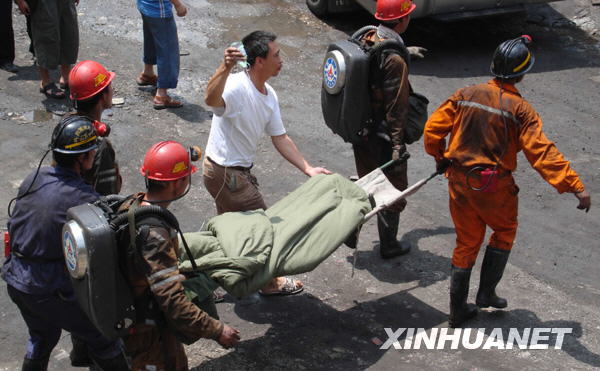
x=245, y=106
x=488, y=125
x=166, y=317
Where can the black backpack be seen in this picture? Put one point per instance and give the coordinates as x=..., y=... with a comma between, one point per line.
x=349, y=68
x=96, y=242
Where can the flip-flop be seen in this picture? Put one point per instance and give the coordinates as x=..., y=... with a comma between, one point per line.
x=166, y=102
x=288, y=288
x=146, y=80
x=50, y=90
x=218, y=297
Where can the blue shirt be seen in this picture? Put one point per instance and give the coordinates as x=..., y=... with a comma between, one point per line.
x=155, y=8
x=35, y=230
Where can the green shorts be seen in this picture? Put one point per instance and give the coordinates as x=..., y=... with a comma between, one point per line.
x=55, y=33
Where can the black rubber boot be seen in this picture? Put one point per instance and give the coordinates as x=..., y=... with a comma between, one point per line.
x=492, y=269
x=35, y=364
x=118, y=363
x=387, y=225
x=460, y=311
x=79, y=355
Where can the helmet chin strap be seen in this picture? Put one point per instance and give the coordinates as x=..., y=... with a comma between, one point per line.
x=172, y=199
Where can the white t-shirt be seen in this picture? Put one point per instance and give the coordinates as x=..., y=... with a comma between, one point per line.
x=248, y=115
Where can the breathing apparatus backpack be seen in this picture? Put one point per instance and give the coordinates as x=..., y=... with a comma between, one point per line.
x=96, y=254
x=350, y=68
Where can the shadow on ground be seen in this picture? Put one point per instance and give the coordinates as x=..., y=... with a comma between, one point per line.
x=454, y=47
x=319, y=336
x=418, y=265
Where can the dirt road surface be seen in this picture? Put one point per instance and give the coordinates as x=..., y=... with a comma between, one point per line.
x=552, y=280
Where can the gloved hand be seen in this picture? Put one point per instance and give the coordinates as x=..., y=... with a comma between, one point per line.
x=398, y=151
x=442, y=165
x=417, y=51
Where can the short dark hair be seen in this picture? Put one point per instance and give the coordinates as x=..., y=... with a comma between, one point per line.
x=391, y=24
x=87, y=105
x=256, y=45
x=66, y=160
x=156, y=185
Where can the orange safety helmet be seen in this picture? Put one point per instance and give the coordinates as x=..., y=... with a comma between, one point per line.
x=87, y=79
x=388, y=10
x=167, y=160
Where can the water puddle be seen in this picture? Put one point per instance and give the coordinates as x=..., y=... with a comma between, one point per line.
x=37, y=115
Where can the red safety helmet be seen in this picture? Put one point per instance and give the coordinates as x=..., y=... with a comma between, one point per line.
x=388, y=10
x=87, y=79
x=167, y=160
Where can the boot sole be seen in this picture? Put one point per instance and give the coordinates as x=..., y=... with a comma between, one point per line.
x=482, y=305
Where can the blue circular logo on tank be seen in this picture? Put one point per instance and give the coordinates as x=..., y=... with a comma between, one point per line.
x=70, y=253
x=330, y=72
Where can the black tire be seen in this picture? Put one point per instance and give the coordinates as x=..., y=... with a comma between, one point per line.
x=320, y=8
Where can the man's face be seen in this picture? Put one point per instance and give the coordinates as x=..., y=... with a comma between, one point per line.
x=273, y=63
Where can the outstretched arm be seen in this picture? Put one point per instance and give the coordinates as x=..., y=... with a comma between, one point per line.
x=287, y=148
x=546, y=159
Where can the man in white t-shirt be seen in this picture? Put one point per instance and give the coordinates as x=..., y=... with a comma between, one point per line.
x=245, y=108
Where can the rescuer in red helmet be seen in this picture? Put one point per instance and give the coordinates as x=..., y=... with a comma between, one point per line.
x=169, y=317
x=389, y=100
x=90, y=85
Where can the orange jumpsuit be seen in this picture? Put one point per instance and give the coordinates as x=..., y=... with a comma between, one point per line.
x=480, y=137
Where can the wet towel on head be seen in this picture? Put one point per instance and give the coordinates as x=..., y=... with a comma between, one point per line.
x=243, y=251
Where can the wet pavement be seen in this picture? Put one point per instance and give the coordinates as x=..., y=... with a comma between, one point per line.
x=552, y=279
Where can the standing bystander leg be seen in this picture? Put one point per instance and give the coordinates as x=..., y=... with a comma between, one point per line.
x=7, y=38
x=161, y=48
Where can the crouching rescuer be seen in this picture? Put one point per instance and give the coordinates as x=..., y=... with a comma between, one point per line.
x=488, y=124
x=166, y=318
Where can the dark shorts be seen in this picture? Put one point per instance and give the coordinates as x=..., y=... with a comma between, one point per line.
x=55, y=33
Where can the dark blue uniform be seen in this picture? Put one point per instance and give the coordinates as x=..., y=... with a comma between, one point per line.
x=37, y=278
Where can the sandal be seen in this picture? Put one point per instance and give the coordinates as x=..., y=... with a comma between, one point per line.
x=50, y=90
x=166, y=102
x=290, y=287
x=146, y=80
